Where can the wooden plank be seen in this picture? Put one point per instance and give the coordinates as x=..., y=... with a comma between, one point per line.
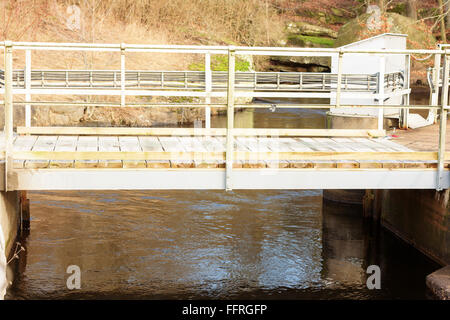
x=153, y=144
x=109, y=144
x=23, y=143
x=173, y=145
x=251, y=144
x=340, y=148
x=359, y=147
x=274, y=144
x=380, y=148
x=193, y=144
x=398, y=147
x=212, y=144
x=237, y=163
x=63, y=144
x=240, y=155
x=318, y=147
x=200, y=131
x=242, y=146
x=131, y=144
x=87, y=144
x=43, y=143
x=290, y=144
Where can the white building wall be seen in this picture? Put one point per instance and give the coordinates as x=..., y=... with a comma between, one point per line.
x=353, y=63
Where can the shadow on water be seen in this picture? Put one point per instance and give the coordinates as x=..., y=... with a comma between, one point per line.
x=212, y=244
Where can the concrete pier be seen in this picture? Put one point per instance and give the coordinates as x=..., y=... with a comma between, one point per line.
x=9, y=229
x=422, y=217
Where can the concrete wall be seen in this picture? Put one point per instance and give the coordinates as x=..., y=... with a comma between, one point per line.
x=9, y=227
x=420, y=217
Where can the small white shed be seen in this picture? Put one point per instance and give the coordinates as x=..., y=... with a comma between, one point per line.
x=354, y=63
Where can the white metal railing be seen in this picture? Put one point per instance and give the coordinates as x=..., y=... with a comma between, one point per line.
x=231, y=93
x=184, y=80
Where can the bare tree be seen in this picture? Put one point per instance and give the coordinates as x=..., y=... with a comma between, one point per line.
x=411, y=9
x=442, y=22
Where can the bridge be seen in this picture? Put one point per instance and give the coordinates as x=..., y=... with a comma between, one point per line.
x=67, y=158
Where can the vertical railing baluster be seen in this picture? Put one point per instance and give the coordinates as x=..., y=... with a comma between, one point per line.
x=381, y=92
x=436, y=81
x=230, y=118
x=27, y=87
x=443, y=124
x=8, y=100
x=122, y=74
x=339, y=80
x=208, y=89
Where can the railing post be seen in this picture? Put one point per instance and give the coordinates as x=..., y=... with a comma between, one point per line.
x=27, y=87
x=122, y=74
x=8, y=98
x=405, y=112
x=436, y=79
x=381, y=92
x=208, y=89
x=443, y=123
x=230, y=118
x=339, y=80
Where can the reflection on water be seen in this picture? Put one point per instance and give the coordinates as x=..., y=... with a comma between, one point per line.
x=196, y=244
x=279, y=118
x=212, y=244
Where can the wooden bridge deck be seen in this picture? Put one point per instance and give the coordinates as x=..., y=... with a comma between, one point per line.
x=88, y=162
x=132, y=146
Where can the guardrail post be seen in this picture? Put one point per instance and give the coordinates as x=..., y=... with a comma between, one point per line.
x=381, y=92
x=230, y=118
x=27, y=79
x=8, y=98
x=404, y=112
x=339, y=80
x=436, y=79
x=122, y=74
x=443, y=123
x=208, y=89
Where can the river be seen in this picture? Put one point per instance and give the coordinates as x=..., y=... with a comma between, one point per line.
x=212, y=244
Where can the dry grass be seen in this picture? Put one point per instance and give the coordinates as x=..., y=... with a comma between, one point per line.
x=243, y=22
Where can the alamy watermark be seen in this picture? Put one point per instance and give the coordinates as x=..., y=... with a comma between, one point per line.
x=74, y=280
x=374, y=280
x=73, y=22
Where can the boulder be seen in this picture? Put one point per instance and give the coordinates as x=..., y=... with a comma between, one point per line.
x=357, y=29
x=307, y=29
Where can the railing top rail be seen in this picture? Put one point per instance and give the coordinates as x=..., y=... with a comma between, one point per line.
x=209, y=49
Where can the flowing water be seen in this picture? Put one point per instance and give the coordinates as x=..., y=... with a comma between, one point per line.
x=212, y=244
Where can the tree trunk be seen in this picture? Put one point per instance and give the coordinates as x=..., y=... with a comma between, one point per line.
x=441, y=17
x=447, y=15
x=411, y=9
x=382, y=5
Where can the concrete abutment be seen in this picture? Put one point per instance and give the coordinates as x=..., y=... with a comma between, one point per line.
x=10, y=224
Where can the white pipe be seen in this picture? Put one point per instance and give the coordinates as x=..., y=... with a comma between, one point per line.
x=27, y=87
x=208, y=89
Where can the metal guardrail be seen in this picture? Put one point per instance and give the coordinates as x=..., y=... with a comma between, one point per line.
x=188, y=80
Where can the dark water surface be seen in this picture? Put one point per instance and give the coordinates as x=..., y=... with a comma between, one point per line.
x=212, y=244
